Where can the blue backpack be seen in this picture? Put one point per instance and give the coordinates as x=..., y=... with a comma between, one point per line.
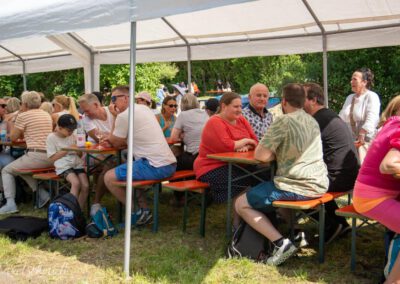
x=394, y=250
x=65, y=217
x=101, y=225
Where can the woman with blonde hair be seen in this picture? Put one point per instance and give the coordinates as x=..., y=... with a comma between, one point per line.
x=392, y=109
x=63, y=105
x=12, y=108
x=47, y=107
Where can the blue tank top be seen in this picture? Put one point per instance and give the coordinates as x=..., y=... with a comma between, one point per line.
x=167, y=132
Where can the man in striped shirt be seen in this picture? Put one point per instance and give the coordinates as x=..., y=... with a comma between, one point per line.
x=34, y=125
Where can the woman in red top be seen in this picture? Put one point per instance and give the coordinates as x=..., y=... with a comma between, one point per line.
x=227, y=131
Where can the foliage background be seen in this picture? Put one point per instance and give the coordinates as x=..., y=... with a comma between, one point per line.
x=241, y=73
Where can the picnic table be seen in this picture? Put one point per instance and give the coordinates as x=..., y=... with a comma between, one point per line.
x=20, y=143
x=238, y=159
x=93, y=152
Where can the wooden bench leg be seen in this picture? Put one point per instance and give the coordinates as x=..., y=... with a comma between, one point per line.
x=203, y=214
x=185, y=211
x=353, y=243
x=229, y=204
x=36, y=196
x=156, y=190
x=322, y=233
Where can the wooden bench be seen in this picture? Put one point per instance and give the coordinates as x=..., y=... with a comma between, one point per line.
x=350, y=212
x=190, y=187
x=318, y=205
x=32, y=172
x=49, y=177
x=156, y=187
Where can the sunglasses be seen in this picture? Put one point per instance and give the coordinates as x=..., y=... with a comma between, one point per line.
x=114, y=98
x=171, y=106
x=3, y=105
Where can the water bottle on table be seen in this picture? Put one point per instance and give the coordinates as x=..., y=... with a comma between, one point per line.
x=3, y=132
x=80, y=135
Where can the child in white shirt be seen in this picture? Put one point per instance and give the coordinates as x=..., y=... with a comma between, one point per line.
x=68, y=164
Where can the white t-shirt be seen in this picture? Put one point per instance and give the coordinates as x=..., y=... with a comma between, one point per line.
x=148, y=139
x=103, y=125
x=54, y=144
x=191, y=122
x=365, y=113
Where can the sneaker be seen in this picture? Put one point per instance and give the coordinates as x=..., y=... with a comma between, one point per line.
x=145, y=217
x=282, y=253
x=300, y=240
x=332, y=233
x=44, y=197
x=135, y=216
x=9, y=208
x=94, y=208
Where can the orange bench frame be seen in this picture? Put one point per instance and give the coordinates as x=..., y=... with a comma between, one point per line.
x=350, y=212
x=317, y=204
x=191, y=186
x=156, y=187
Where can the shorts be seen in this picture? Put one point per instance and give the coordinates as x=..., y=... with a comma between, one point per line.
x=65, y=173
x=262, y=195
x=142, y=170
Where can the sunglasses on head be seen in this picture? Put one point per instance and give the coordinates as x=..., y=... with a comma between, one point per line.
x=171, y=106
x=114, y=98
x=3, y=105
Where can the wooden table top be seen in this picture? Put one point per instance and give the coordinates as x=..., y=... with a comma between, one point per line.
x=172, y=142
x=19, y=143
x=93, y=149
x=236, y=157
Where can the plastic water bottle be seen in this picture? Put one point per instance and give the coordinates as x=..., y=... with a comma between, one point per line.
x=80, y=135
x=3, y=132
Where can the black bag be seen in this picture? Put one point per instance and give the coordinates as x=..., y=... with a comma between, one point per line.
x=22, y=227
x=247, y=242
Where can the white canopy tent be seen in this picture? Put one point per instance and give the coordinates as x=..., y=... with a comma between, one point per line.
x=47, y=35
x=52, y=35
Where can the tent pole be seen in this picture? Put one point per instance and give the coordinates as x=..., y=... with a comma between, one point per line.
x=23, y=65
x=189, y=68
x=91, y=60
x=325, y=68
x=24, y=75
x=324, y=50
x=189, y=52
x=128, y=205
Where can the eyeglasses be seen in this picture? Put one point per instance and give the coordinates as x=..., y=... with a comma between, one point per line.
x=3, y=105
x=171, y=106
x=114, y=98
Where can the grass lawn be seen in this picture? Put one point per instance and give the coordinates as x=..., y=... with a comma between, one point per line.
x=171, y=256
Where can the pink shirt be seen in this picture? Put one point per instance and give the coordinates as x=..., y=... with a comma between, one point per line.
x=371, y=184
x=219, y=136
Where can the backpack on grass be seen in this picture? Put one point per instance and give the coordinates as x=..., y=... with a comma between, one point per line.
x=101, y=225
x=247, y=242
x=21, y=228
x=65, y=218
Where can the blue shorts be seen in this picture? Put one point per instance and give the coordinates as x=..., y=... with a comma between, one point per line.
x=142, y=170
x=262, y=195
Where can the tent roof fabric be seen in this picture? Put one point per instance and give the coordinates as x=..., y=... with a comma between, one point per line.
x=69, y=32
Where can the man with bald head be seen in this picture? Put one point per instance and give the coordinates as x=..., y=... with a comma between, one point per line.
x=256, y=112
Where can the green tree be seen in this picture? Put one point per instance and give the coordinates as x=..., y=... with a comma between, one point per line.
x=148, y=76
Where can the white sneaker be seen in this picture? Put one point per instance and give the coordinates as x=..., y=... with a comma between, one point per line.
x=44, y=197
x=94, y=208
x=9, y=208
x=282, y=253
